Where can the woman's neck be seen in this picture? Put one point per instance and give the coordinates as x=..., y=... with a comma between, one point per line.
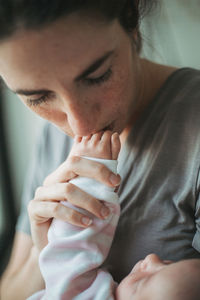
x=152, y=77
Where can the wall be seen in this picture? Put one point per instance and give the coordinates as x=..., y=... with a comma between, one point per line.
x=171, y=33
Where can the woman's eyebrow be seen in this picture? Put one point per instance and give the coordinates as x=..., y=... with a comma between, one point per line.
x=31, y=92
x=94, y=66
x=24, y=92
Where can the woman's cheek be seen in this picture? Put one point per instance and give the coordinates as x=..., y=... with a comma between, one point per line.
x=48, y=113
x=113, y=95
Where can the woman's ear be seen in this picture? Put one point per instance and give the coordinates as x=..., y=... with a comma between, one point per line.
x=135, y=34
x=137, y=40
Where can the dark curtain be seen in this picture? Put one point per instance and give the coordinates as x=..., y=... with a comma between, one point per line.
x=8, y=213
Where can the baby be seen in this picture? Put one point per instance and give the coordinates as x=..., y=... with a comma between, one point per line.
x=154, y=279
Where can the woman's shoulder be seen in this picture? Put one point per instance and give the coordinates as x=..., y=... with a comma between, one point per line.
x=182, y=80
x=50, y=132
x=52, y=146
x=180, y=92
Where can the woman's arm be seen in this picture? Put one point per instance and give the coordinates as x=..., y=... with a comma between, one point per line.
x=22, y=277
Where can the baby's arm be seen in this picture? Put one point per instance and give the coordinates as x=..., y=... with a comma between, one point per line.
x=70, y=262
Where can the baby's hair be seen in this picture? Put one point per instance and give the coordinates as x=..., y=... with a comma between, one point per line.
x=36, y=14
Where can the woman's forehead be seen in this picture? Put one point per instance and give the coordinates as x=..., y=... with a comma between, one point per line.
x=66, y=34
x=61, y=44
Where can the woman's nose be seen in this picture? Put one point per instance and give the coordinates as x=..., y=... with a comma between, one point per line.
x=81, y=117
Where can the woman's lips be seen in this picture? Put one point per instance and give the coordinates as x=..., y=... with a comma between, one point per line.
x=109, y=127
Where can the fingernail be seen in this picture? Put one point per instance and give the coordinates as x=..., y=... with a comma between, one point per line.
x=105, y=212
x=115, y=179
x=86, y=221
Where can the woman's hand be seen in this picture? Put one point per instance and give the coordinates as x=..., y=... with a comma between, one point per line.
x=56, y=188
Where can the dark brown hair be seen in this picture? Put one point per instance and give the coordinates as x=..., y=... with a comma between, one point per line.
x=35, y=14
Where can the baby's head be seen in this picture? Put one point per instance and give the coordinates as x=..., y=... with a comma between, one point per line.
x=154, y=279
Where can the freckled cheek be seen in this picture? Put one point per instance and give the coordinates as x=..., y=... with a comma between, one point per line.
x=52, y=115
x=110, y=101
x=116, y=96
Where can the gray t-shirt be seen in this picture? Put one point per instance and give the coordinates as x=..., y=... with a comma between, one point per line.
x=159, y=165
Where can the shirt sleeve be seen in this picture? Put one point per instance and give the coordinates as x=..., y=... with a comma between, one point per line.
x=51, y=149
x=33, y=179
x=196, y=239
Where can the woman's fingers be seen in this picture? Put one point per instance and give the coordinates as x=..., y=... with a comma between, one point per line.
x=74, y=195
x=78, y=166
x=47, y=203
x=57, y=187
x=41, y=212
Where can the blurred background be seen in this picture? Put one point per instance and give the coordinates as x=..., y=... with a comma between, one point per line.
x=171, y=36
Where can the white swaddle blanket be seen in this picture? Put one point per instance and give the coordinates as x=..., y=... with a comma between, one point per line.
x=71, y=260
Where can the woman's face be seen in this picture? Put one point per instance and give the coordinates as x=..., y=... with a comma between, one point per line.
x=79, y=73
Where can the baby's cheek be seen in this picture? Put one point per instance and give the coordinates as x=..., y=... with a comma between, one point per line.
x=126, y=289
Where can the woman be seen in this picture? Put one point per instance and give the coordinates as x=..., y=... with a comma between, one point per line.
x=77, y=64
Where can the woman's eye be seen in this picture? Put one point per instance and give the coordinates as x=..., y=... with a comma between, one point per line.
x=89, y=81
x=35, y=102
x=105, y=77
